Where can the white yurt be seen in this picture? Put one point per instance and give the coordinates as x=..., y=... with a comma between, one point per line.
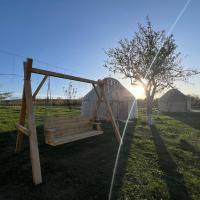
x=119, y=97
x=174, y=101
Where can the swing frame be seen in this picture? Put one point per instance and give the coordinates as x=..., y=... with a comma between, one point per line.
x=27, y=109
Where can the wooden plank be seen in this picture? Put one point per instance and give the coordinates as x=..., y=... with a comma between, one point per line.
x=62, y=132
x=65, y=125
x=73, y=138
x=65, y=118
x=64, y=76
x=21, y=119
x=39, y=86
x=116, y=129
x=22, y=129
x=34, y=152
x=58, y=121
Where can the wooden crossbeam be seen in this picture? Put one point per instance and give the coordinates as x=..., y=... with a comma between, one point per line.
x=64, y=76
x=22, y=129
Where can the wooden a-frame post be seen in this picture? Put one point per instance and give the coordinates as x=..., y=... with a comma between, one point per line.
x=116, y=129
x=27, y=107
x=102, y=98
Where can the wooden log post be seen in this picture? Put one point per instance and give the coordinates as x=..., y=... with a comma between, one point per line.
x=34, y=151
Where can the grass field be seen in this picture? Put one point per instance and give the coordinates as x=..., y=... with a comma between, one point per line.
x=161, y=162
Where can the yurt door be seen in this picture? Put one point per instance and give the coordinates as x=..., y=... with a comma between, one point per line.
x=123, y=110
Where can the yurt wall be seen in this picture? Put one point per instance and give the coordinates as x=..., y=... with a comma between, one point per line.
x=174, y=101
x=119, y=98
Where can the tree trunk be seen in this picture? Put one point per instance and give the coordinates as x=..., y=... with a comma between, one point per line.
x=150, y=119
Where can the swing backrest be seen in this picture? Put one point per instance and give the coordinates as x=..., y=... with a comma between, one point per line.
x=60, y=130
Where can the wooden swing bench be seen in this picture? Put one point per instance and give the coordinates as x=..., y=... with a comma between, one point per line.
x=57, y=130
x=65, y=129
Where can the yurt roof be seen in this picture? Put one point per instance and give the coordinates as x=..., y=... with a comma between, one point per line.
x=173, y=95
x=114, y=90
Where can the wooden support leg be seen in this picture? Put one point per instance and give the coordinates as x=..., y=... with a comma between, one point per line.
x=117, y=133
x=34, y=152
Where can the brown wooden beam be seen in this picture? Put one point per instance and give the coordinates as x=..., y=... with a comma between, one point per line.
x=34, y=151
x=116, y=128
x=96, y=91
x=64, y=76
x=39, y=86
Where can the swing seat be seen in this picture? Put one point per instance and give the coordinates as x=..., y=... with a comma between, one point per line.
x=61, y=130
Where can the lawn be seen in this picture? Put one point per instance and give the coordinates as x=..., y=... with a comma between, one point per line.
x=164, y=161
x=161, y=162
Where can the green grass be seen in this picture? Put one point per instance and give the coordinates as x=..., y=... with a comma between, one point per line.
x=164, y=161
x=161, y=162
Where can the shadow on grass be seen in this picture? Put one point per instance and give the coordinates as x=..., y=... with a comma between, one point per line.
x=77, y=171
x=188, y=147
x=123, y=159
x=189, y=118
x=174, y=180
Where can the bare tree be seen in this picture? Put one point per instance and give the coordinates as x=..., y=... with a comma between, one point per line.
x=150, y=59
x=70, y=94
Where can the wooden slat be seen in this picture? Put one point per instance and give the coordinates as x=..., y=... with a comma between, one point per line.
x=64, y=76
x=60, y=122
x=63, y=128
x=22, y=129
x=73, y=138
x=64, y=125
x=64, y=120
x=62, y=132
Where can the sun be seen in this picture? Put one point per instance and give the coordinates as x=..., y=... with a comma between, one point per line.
x=137, y=91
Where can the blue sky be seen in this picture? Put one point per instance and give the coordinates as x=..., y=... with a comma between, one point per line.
x=74, y=34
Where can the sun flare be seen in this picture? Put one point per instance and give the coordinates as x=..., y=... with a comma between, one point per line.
x=137, y=91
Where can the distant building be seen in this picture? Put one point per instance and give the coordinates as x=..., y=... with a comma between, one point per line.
x=174, y=101
x=119, y=98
